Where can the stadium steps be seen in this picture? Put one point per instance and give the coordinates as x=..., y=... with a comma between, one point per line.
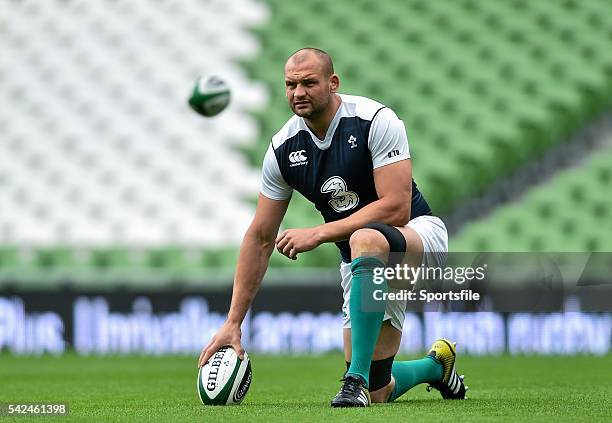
x=571, y=212
x=583, y=143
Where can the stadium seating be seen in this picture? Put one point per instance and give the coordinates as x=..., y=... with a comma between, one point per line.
x=482, y=86
x=99, y=147
x=105, y=174
x=569, y=213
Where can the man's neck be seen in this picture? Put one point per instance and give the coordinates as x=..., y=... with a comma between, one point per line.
x=320, y=125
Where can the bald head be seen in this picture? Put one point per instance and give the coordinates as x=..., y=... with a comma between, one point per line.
x=311, y=86
x=308, y=53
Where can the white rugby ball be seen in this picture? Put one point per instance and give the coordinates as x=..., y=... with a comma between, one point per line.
x=210, y=96
x=225, y=378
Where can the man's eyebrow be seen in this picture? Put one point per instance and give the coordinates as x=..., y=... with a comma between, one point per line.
x=306, y=78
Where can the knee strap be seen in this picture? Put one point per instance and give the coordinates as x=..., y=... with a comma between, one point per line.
x=395, y=238
x=380, y=373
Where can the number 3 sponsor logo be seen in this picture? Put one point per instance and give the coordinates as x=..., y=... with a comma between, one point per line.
x=342, y=199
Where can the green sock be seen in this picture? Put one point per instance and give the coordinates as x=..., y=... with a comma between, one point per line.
x=408, y=374
x=366, y=314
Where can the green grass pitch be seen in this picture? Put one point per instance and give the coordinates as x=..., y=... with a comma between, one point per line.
x=290, y=389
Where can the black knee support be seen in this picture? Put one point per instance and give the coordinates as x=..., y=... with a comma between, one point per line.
x=380, y=373
x=395, y=238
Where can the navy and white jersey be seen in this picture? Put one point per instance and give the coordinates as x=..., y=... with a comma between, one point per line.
x=336, y=174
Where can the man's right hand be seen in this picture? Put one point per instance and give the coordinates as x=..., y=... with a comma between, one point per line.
x=228, y=334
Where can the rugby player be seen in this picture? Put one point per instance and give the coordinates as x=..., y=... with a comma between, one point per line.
x=349, y=156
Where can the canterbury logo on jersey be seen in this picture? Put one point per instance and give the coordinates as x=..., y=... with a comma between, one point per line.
x=298, y=158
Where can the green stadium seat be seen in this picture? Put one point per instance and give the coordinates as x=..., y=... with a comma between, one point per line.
x=9, y=257
x=55, y=257
x=103, y=259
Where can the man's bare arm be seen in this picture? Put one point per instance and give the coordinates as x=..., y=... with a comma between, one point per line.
x=255, y=251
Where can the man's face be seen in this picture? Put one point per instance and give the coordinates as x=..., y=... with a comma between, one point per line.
x=308, y=89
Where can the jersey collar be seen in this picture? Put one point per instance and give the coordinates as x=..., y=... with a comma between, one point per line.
x=329, y=135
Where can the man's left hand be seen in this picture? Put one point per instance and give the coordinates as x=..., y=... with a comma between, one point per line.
x=293, y=241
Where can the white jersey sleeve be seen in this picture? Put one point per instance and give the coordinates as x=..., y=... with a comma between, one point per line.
x=273, y=185
x=387, y=141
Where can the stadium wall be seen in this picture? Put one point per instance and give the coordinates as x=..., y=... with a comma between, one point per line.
x=283, y=320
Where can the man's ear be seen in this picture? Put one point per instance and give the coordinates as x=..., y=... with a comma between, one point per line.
x=334, y=83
